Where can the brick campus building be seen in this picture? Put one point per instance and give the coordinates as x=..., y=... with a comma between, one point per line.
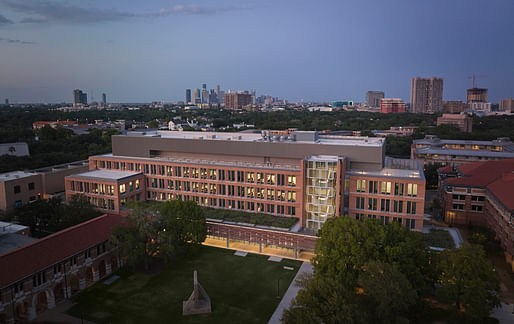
x=36, y=276
x=481, y=193
x=305, y=175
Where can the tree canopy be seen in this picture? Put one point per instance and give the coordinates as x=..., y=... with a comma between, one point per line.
x=47, y=216
x=164, y=230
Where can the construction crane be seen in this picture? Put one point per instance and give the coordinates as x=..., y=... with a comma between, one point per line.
x=475, y=77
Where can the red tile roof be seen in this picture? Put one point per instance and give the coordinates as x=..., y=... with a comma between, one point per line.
x=497, y=176
x=28, y=259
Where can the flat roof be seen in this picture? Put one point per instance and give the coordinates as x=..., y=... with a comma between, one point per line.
x=258, y=137
x=219, y=163
x=6, y=227
x=442, y=151
x=15, y=175
x=108, y=175
x=391, y=173
x=12, y=241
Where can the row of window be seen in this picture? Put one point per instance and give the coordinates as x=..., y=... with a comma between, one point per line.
x=201, y=173
x=477, y=208
x=409, y=222
x=386, y=187
x=222, y=189
x=385, y=205
x=463, y=197
x=103, y=189
x=226, y=203
x=17, y=188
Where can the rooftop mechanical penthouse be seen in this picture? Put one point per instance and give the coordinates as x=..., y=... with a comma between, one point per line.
x=305, y=175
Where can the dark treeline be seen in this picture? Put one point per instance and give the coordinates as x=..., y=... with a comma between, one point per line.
x=60, y=146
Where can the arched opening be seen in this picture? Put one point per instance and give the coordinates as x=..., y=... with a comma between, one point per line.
x=101, y=269
x=3, y=318
x=21, y=311
x=41, y=302
x=75, y=284
x=59, y=292
x=114, y=264
x=89, y=276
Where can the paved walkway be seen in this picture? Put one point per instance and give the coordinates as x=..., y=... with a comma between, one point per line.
x=290, y=294
x=504, y=314
x=454, y=232
x=57, y=315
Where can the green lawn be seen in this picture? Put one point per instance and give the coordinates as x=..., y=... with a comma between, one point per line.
x=439, y=238
x=242, y=290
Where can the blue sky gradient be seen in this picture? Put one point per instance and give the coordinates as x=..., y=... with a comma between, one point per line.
x=140, y=51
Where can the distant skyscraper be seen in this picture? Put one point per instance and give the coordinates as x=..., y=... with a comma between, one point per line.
x=426, y=95
x=253, y=92
x=79, y=98
x=204, y=86
x=6, y=101
x=196, y=96
x=104, y=98
x=373, y=98
x=213, y=98
x=392, y=105
x=505, y=105
x=476, y=95
x=188, y=96
x=218, y=89
x=205, y=96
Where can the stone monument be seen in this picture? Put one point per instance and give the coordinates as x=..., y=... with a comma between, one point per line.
x=199, y=302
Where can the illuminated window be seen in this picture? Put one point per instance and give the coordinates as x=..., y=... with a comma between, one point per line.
x=291, y=180
x=361, y=185
x=250, y=177
x=123, y=188
x=386, y=188
x=270, y=195
x=291, y=196
x=270, y=179
x=260, y=177
x=412, y=190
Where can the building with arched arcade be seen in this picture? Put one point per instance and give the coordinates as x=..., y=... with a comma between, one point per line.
x=34, y=277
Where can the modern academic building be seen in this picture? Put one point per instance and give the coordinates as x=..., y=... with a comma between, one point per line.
x=432, y=149
x=481, y=193
x=306, y=175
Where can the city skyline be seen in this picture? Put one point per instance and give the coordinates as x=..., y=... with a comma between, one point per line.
x=139, y=52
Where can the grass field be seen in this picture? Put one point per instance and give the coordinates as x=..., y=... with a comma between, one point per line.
x=242, y=290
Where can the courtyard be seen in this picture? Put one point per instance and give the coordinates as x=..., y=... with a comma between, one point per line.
x=242, y=290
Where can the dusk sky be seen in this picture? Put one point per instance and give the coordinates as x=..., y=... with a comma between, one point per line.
x=141, y=51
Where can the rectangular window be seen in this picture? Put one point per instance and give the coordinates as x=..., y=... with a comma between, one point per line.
x=459, y=197
x=17, y=189
x=412, y=190
x=458, y=206
x=477, y=198
x=398, y=189
x=361, y=185
x=270, y=194
x=260, y=177
x=270, y=179
x=373, y=187
x=291, y=180
x=250, y=177
x=291, y=196
x=386, y=188
x=477, y=208
x=123, y=188
x=372, y=203
x=31, y=186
